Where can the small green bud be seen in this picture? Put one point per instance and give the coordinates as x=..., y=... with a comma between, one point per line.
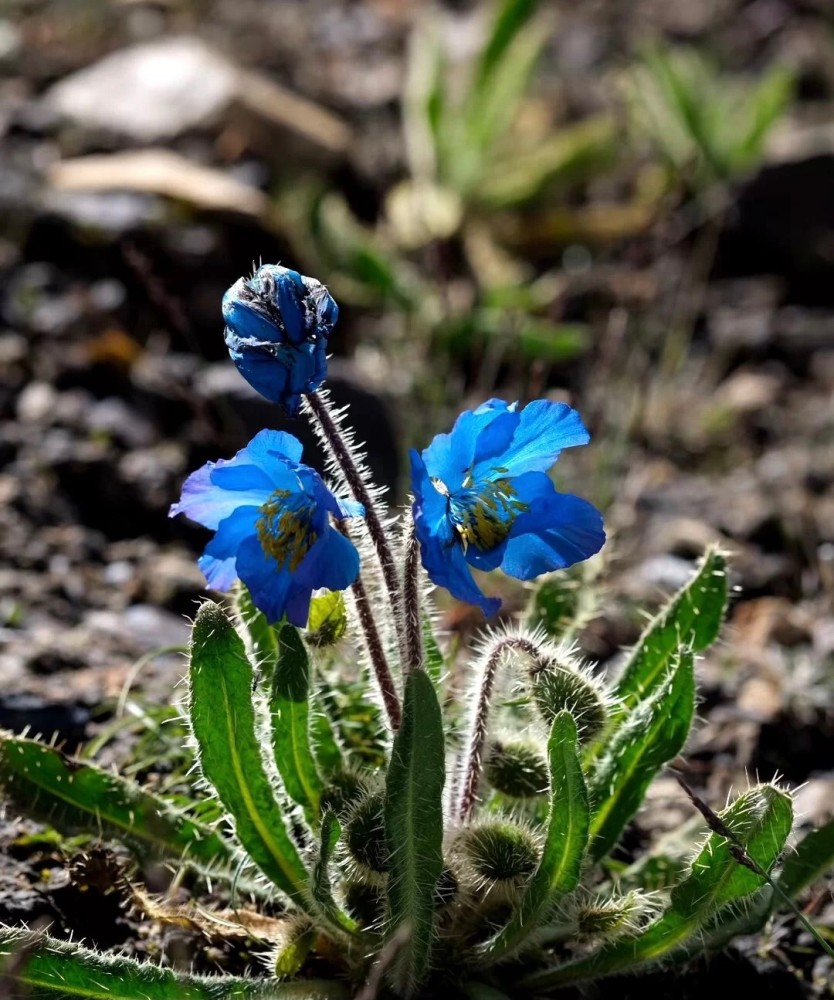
x=499, y=852
x=365, y=833
x=328, y=619
x=556, y=688
x=516, y=769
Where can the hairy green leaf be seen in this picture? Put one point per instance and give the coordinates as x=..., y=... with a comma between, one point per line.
x=813, y=857
x=289, y=709
x=72, y=796
x=692, y=618
x=229, y=749
x=566, y=838
x=510, y=18
x=760, y=821
x=651, y=735
x=49, y=969
x=414, y=830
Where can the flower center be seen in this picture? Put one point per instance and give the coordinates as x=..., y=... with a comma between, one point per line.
x=483, y=514
x=285, y=528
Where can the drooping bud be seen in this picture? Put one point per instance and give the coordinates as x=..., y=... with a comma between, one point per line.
x=278, y=323
x=365, y=902
x=364, y=833
x=516, y=768
x=615, y=916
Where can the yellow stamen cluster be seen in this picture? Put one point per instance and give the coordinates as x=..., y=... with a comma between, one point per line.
x=284, y=530
x=483, y=515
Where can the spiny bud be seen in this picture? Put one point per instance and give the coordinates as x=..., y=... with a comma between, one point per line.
x=556, y=687
x=500, y=855
x=365, y=833
x=516, y=769
x=446, y=888
x=365, y=902
x=616, y=916
x=343, y=789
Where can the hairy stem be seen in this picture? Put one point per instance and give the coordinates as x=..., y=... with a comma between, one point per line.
x=356, y=482
x=480, y=723
x=412, y=625
x=376, y=651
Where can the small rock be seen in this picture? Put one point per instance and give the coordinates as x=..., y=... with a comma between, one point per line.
x=36, y=403
x=149, y=92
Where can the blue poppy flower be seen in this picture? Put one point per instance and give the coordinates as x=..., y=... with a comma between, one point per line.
x=278, y=323
x=271, y=515
x=483, y=498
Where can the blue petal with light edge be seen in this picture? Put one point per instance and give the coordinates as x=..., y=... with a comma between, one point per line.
x=207, y=503
x=542, y=430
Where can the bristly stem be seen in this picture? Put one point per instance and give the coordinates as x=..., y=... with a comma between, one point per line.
x=480, y=725
x=376, y=651
x=412, y=624
x=356, y=482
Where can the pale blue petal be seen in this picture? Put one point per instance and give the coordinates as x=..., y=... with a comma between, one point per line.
x=208, y=504
x=220, y=574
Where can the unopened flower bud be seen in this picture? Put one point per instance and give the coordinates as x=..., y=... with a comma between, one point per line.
x=278, y=323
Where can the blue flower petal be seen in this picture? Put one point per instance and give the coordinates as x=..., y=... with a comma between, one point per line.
x=266, y=444
x=332, y=562
x=242, y=479
x=289, y=291
x=207, y=503
x=244, y=319
x=431, y=508
x=232, y=532
x=268, y=584
x=450, y=457
x=220, y=574
x=559, y=530
x=543, y=430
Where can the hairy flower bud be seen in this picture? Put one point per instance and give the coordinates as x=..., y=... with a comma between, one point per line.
x=500, y=855
x=516, y=769
x=278, y=323
x=559, y=687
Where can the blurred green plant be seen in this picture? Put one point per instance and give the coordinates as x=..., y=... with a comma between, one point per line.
x=475, y=159
x=708, y=126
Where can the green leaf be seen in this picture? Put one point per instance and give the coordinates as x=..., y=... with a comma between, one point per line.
x=289, y=709
x=222, y=720
x=813, y=857
x=652, y=734
x=435, y=661
x=566, y=838
x=50, y=969
x=571, y=155
x=414, y=830
x=760, y=821
x=322, y=890
x=692, y=618
x=510, y=18
x=44, y=782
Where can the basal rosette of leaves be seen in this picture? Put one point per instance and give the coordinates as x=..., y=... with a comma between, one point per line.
x=393, y=835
